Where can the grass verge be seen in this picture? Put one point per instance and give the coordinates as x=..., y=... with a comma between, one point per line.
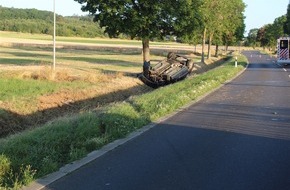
x=33, y=154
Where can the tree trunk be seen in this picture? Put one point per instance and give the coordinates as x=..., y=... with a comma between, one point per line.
x=203, y=45
x=216, y=50
x=146, y=50
x=209, y=45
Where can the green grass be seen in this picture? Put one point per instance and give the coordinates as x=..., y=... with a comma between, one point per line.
x=22, y=94
x=22, y=91
x=25, y=36
x=119, y=60
x=107, y=41
x=33, y=154
x=25, y=81
x=14, y=88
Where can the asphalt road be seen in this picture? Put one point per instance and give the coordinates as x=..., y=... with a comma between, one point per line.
x=237, y=138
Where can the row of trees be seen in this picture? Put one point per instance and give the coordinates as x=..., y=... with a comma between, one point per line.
x=267, y=35
x=219, y=22
x=41, y=22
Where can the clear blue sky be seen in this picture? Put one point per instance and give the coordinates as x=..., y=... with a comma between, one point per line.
x=261, y=12
x=258, y=12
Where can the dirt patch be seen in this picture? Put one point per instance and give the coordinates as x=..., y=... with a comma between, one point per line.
x=104, y=89
x=115, y=90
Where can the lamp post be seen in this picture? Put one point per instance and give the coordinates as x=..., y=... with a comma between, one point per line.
x=53, y=67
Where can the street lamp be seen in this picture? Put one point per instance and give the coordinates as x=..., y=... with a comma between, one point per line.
x=53, y=67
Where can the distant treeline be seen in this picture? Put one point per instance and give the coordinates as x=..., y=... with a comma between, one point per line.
x=41, y=22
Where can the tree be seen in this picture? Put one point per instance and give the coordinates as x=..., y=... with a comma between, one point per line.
x=275, y=31
x=216, y=21
x=287, y=23
x=188, y=26
x=234, y=22
x=261, y=35
x=35, y=21
x=144, y=19
x=252, y=37
x=222, y=18
x=269, y=34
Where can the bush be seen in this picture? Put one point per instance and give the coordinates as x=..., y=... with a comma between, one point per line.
x=4, y=168
x=13, y=178
x=121, y=119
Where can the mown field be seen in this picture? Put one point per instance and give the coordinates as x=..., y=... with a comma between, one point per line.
x=85, y=78
x=91, y=99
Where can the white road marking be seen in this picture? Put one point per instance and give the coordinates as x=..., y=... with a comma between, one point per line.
x=284, y=69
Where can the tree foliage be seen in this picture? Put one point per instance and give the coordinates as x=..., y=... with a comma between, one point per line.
x=287, y=23
x=143, y=19
x=251, y=39
x=223, y=22
x=267, y=35
x=41, y=22
x=234, y=21
x=189, y=20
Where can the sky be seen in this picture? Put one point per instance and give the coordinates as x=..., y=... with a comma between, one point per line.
x=258, y=12
x=261, y=12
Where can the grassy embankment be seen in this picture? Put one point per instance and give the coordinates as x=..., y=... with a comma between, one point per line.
x=35, y=153
x=25, y=78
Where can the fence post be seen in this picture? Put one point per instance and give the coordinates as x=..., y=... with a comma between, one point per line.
x=236, y=61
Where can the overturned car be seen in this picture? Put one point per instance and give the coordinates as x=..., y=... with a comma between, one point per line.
x=172, y=69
